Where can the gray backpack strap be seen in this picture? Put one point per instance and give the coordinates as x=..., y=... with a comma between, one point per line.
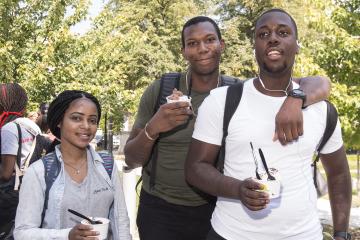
x=108, y=162
x=233, y=97
x=331, y=121
x=52, y=168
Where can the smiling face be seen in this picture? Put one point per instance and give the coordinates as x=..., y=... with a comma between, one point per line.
x=79, y=124
x=202, y=48
x=275, y=42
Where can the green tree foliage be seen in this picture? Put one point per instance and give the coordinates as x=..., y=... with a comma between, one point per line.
x=37, y=48
x=133, y=42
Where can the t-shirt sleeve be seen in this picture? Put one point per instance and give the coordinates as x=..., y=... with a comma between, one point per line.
x=9, y=140
x=147, y=105
x=208, y=125
x=334, y=142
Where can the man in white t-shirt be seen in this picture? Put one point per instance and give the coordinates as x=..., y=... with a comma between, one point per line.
x=243, y=211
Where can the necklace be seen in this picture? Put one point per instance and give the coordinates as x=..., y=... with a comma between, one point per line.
x=277, y=90
x=189, y=83
x=77, y=170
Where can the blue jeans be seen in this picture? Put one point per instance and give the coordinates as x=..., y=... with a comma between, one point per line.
x=160, y=220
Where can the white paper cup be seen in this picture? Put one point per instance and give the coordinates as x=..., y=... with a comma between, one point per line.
x=183, y=98
x=272, y=187
x=101, y=228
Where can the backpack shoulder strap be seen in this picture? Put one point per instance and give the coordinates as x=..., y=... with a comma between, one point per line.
x=108, y=162
x=228, y=81
x=51, y=171
x=331, y=121
x=18, y=172
x=18, y=156
x=233, y=97
x=168, y=82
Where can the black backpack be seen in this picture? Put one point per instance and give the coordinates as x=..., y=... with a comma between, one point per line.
x=233, y=97
x=168, y=82
x=9, y=197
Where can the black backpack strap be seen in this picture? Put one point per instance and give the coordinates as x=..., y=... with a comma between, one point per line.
x=52, y=168
x=18, y=156
x=331, y=121
x=168, y=82
x=228, y=81
x=233, y=97
x=108, y=162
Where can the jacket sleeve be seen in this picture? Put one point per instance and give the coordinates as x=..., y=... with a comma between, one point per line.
x=120, y=223
x=31, y=203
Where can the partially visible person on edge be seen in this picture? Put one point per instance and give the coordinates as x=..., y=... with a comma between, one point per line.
x=172, y=209
x=42, y=117
x=83, y=183
x=243, y=211
x=13, y=102
x=41, y=121
x=33, y=116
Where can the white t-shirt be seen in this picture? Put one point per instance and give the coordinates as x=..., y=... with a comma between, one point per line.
x=291, y=216
x=10, y=138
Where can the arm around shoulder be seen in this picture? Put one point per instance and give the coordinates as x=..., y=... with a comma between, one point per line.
x=316, y=88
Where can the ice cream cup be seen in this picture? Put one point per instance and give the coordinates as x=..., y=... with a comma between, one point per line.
x=183, y=98
x=101, y=228
x=272, y=187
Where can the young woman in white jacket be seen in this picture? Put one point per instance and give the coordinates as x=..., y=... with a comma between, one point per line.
x=82, y=184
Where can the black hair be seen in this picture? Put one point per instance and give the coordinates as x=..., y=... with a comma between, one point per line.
x=13, y=101
x=196, y=20
x=281, y=11
x=61, y=103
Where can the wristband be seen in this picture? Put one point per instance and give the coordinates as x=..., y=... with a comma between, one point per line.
x=147, y=134
x=344, y=235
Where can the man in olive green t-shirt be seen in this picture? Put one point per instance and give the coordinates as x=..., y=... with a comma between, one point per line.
x=172, y=209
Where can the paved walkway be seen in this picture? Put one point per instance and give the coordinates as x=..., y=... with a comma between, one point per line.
x=324, y=210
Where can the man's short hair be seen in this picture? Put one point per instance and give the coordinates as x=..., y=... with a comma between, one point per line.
x=281, y=11
x=196, y=20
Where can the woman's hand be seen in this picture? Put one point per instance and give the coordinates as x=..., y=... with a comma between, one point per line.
x=82, y=231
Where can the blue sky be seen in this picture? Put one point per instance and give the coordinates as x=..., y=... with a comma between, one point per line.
x=84, y=26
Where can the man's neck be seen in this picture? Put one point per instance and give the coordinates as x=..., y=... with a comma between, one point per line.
x=278, y=82
x=204, y=83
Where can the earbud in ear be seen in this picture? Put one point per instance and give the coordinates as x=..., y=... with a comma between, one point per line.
x=298, y=44
x=254, y=52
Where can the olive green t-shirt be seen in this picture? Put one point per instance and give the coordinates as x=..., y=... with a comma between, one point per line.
x=170, y=183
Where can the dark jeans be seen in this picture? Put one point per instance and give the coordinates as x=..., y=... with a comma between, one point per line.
x=214, y=236
x=160, y=220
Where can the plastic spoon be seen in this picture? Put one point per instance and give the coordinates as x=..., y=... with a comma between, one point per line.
x=84, y=217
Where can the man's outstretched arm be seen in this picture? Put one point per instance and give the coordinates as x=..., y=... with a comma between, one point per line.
x=289, y=120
